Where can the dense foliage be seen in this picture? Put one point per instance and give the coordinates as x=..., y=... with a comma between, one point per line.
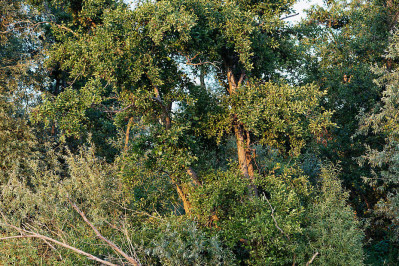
x=198, y=132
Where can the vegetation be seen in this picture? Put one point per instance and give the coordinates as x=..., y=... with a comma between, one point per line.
x=198, y=132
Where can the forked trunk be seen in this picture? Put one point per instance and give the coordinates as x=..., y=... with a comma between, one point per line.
x=244, y=152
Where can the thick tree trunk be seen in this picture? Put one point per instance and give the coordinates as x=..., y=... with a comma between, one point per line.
x=241, y=150
x=244, y=152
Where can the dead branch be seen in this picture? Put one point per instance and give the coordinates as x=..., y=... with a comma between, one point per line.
x=312, y=259
x=290, y=16
x=45, y=238
x=99, y=235
x=274, y=219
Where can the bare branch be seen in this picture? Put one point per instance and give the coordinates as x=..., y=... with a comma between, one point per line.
x=45, y=238
x=312, y=259
x=274, y=219
x=111, y=244
x=290, y=16
x=189, y=61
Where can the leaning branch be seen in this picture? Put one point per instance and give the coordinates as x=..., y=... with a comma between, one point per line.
x=45, y=238
x=290, y=16
x=274, y=219
x=312, y=259
x=111, y=244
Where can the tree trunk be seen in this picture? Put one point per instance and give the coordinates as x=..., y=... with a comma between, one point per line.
x=184, y=198
x=167, y=122
x=244, y=152
x=241, y=150
x=129, y=125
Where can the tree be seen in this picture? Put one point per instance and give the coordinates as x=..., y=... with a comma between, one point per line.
x=383, y=120
x=20, y=76
x=332, y=232
x=131, y=65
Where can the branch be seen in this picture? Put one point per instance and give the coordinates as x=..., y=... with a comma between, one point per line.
x=241, y=79
x=290, y=16
x=312, y=259
x=129, y=125
x=45, y=238
x=38, y=23
x=274, y=219
x=120, y=110
x=190, y=63
x=56, y=250
x=193, y=175
x=157, y=97
x=111, y=244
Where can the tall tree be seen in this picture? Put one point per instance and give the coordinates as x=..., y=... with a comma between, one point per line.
x=384, y=160
x=133, y=62
x=345, y=40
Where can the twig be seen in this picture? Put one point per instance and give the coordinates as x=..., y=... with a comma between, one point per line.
x=111, y=244
x=312, y=259
x=51, y=246
x=274, y=219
